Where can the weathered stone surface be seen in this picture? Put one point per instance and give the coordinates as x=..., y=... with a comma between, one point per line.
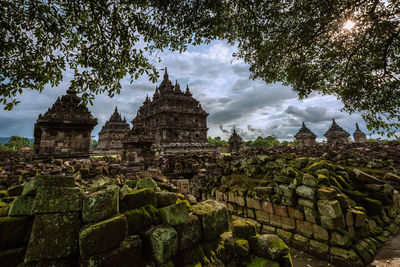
x=309, y=180
x=21, y=206
x=280, y=210
x=146, y=182
x=15, y=190
x=329, y=208
x=12, y=257
x=101, y=205
x=340, y=239
x=305, y=192
x=259, y=261
x=166, y=198
x=288, y=223
x=213, y=216
x=276, y=220
x=300, y=242
x=285, y=190
x=304, y=227
x=54, y=236
x=253, y=203
x=295, y=213
x=243, y=229
x=268, y=207
x=140, y=219
x=129, y=253
x=12, y=231
x=175, y=214
x=286, y=236
x=141, y=197
x=318, y=249
x=320, y=233
x=306, y=203
x=268, y=246
x=189, y=232
x=326, y=193
x=57, y=199
x=102, y=236
x=345, y=257
x=310, y=214
x=332, y=223
x=262, y=216
x=163, y=243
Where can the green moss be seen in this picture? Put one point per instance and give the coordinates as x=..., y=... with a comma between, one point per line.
x=140, y=219
x=262, y=262
x=168, y=264
x=373, y=206
x=343, y=182
x=334, y=182
x=3, y=193
x=322, y=164
x=8, y=200
x=243, y=229
x=323, y=180
x=242, y=247
x=4, y=208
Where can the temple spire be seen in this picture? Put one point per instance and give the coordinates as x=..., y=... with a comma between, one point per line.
x=187, y=90
x=166, y=74
x=357, y=128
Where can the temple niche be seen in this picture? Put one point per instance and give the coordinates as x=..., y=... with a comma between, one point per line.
x=112, y=133
x=336, y=134
x=305, y=137
x=173, y=121
x=235, y=142
x=359, y=136
x=64, y=130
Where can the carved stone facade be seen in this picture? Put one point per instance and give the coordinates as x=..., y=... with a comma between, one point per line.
x=336, y=134
x=64, y=130
x=305, y=137
x=235, y=142
x=359, y=136
x=112, y=133
x=172, y=120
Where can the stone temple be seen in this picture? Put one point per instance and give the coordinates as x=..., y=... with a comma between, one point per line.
x=336, y=134
x=173, y=120
x=359, y=136
x=305, y=137
x=112, y=133
x=64, y=130
x=235, y=142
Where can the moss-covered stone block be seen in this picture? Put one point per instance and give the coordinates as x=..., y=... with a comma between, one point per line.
x=129, y=253
x=320, y=233
x=189, y=232
x=263, y=262
x=163, y=243
x=102, y=236
x=21, y=206
x=54, y=236
x=166, y=198
x=101, y=205
x=268, y=246
x=12, y=257
x=12, y=231
x=140, y=219
x=140, y=197
x=242, y=247
x=300, y=242
x=146, y=182
x=57, y=199
x=175, y=214
x=4, y=209
x=318, y=249
x=31, y=187
x=243, y=229
x=329, y=208
x=345, y=257
x=373, y=206
x=309, y=180
x=15, y=190
x=341, y=239
x=326, y=193
x=213, y=216
x=305, y=192
x=332, y=223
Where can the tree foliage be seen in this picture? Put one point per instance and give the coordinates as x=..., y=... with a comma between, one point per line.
x=298, y=43
x=269, y=141
x=16, y=143
x=217, y=141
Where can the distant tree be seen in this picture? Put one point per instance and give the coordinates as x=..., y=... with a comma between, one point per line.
x=18, y=142
x=217, y=141
x=269, y=141
x=93, y=143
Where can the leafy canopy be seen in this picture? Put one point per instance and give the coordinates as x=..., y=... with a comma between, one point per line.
x=298, y=43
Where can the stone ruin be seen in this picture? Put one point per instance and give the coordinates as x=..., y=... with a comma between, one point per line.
x=336, y=134
x=64, y=130
x=113, y=133
x=359, y=136
x=235, y=142
x=305, y=137
x=174, y=121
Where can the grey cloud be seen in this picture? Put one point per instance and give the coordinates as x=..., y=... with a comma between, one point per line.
x=313, y=114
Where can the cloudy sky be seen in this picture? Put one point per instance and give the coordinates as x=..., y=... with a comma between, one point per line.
x=221, y=84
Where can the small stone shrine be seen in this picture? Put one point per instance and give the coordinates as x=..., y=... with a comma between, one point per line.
x=336, y=134
x=112, y=133
x=64, y=130
x=359, y=136
x=235, y=142
x=305, y=137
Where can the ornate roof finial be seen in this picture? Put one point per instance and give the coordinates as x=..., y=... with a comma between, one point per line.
x=116, y=109
x=166, y=74
x=304, y=125
x=333, y=121
x=187, y=90
x=357, y=128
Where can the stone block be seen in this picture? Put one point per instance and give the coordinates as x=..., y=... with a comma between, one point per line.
x=102, y=236
x=54, y=236
x=140, y=197
x=163, y=243
x=146, y=182
x=253, y=203
x=275, y=220
x=189, y=233
x=262, y=216
x=305, y=192
x=166, y=198
x=295, y=213
x=326, y=193
x=267, y=229
x=333, y=223
x=240, y=201
x=268, y=207
x=219, y=196
x=285, y=190
x=318, y=249
x=304, y=228
x=341, y=239
x=57, y=199
x=268, y=246
x=140, y=219
x=306, y=203
x=12, y=257
x=288, y=223
x=101, y=205
x=329, y=208
x=349, y=218
x=320, y=233
x=344, y=257
x=243, y=229
x=21, y=206
x=13, y=231
x=286, y=236
x=309, y=180
x=15, y=190
x=259, y=261
x=300, y=242
x=183, y=186
x=175, y=214
x=280, y=210
x=362, y=249
x=213, y=216
x=310, y=214
x=359, y=218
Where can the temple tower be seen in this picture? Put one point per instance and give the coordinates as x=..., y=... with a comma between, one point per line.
x=305, y=137
x=336, y=134
x=359, y=136
x=235, y=142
